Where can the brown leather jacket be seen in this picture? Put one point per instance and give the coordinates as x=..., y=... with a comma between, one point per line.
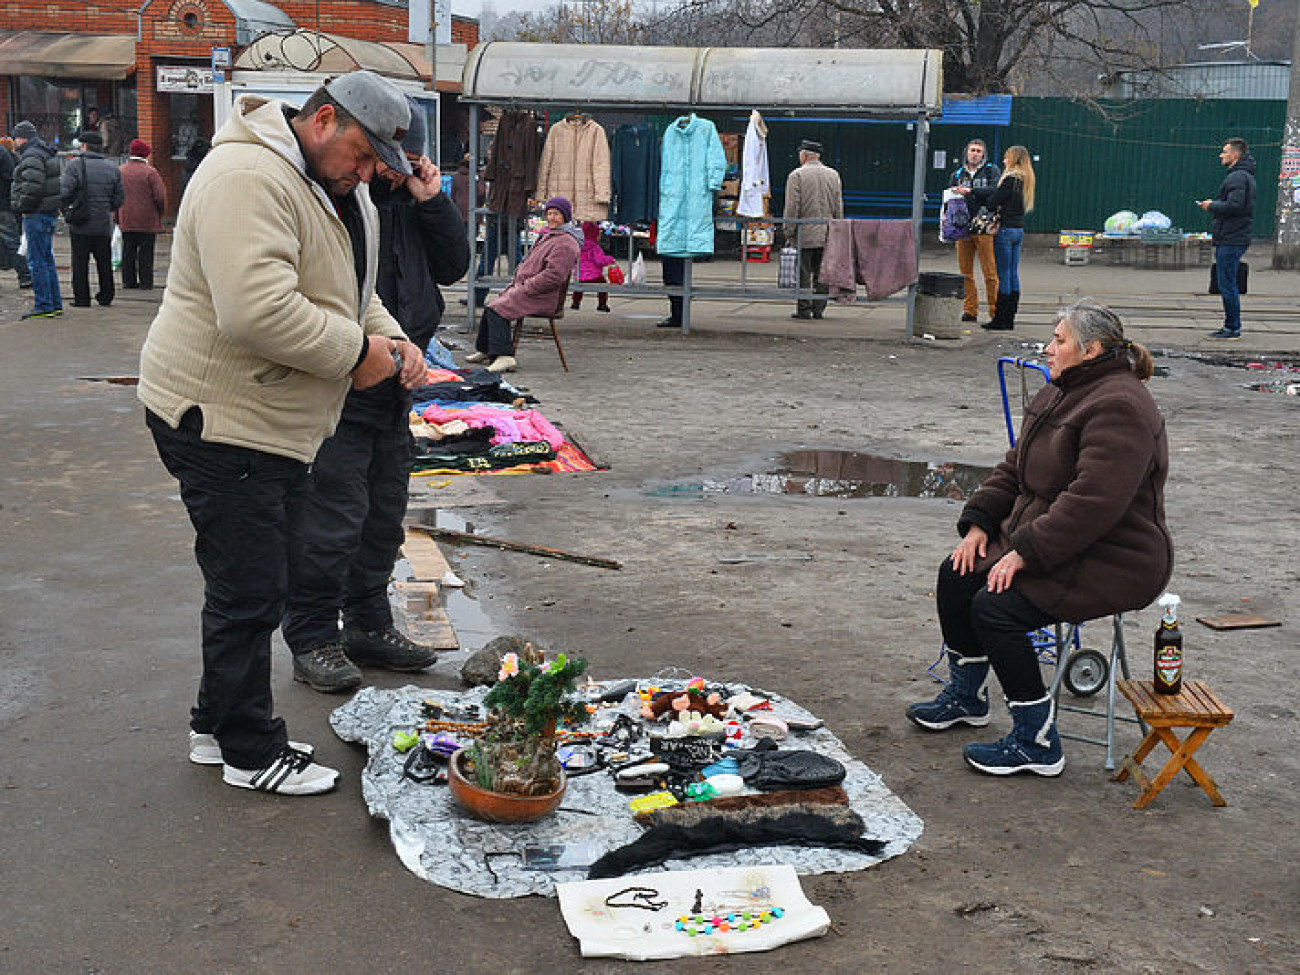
x=1081, y=495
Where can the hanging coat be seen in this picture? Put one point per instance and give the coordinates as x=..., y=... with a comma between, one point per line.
x=755, y=181
x=692, y=170
x=575, y=165
x=512, y=164
x=635, y=172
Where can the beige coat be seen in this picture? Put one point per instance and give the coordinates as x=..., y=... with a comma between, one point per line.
x=575, y=165
x=812, y=191
x=260, y=325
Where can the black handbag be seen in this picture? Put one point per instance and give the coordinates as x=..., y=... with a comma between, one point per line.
x=78, y=210
x=1243, y=276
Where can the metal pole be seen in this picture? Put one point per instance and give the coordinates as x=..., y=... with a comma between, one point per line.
x=1286, y=250
x=918, y=211
x=471, y=217
x=686, y=297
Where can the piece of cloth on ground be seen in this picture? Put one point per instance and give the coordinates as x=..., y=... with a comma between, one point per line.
x=698, y=830
x=437, y=841
x=604, y=929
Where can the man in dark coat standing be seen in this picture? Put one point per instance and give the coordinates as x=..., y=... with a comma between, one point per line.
x=34, y=195
x=91, y=191
x=345, y=542
x=11, y=229
x=1234, y=214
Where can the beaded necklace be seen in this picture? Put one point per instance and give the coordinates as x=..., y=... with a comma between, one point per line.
x=732, y=921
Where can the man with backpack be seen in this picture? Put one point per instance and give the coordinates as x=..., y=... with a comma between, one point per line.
x=976, y=179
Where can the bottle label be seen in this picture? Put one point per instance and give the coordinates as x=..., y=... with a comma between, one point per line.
x=1169, y=665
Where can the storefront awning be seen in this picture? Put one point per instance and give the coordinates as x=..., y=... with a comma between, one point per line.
x=92, y=56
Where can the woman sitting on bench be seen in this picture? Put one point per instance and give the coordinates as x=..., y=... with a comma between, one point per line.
x=1070, y=526
x=537, y=287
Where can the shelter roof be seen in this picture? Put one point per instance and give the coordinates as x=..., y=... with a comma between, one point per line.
x=90, y=56
x=775, y=80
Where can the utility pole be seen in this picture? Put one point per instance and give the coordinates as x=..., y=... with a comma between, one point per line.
x=1286, y=249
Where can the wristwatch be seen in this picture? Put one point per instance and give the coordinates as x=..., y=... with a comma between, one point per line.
x=397, y=360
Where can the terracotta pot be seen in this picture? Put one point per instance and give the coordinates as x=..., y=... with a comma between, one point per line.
x=499, y=807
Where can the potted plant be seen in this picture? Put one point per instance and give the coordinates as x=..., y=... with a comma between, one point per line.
x=511, y=774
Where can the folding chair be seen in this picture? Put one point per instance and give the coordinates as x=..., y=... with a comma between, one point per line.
x=551, y=318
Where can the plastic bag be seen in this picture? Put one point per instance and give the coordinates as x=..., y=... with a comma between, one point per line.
x=787, y=271
x=117, y=246
x=614, y=274
x=954, y=222
x=636, y=273
x=1152, y=220
x=22, y=245
x=1121, y=222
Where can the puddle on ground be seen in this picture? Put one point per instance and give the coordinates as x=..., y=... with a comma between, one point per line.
x=842, y=474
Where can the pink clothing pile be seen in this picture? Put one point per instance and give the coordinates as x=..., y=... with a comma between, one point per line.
x=511, y=426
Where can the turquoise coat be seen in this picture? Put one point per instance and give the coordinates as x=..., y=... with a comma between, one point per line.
x=692, y=168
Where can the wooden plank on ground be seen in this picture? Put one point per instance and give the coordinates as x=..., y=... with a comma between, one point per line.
x=427, y=562
x=1237, y=621
x=424, y=618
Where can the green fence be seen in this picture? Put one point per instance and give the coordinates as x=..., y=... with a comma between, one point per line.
x=1157, y=154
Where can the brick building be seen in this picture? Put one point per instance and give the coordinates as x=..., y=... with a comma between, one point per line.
x=145, y=62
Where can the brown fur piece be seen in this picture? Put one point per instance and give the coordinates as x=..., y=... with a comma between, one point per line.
x=831, y=795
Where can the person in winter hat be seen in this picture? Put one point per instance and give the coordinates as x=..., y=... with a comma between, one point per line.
x=35, y=195
x=1233, y=210
x=537, y=287
x=92, y=191
x=141, y=215
x=592, y=261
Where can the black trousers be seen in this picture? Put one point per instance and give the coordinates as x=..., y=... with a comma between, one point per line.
x=349, y=529
x=674, y=272
x=810, y=269
x=100, y=247
x=240, y=502
x=494, y=335
x=137, y=259
x=979, y=623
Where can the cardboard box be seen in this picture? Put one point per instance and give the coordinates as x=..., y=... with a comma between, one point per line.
x=731, y=187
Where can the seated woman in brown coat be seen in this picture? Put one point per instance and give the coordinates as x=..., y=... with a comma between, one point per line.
x=535, y=290
x=1069, y=527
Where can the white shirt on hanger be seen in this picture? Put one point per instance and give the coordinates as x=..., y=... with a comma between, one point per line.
x=755, y=182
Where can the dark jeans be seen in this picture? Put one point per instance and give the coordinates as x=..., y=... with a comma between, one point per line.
x=1006, y=251
x=1227, y=258
x=674, y=272
x=137, y=259
x=39, y=228
x=810, y=266
x=240, y=502
x=494, y=335
x=100, y=247
x=11, y=235
x=979, y=623
x=348, y=531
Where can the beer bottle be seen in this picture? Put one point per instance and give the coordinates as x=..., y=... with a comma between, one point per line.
x=1169, y=648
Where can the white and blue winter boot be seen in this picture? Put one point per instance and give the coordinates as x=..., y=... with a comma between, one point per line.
x=964, y=701
x=1033, y=745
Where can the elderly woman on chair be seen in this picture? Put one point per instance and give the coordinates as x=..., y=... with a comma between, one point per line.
x=537, y=287
x=1070, y=526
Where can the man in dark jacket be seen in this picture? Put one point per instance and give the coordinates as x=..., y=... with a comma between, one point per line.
x=11, y=230
x=92, y=190
x=34, y=196
x=976, y=179
x=1234, y=214
x=348, y=533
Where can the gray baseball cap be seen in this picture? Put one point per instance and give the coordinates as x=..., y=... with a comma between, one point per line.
x=381, y=109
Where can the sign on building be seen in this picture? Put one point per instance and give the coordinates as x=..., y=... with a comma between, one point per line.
x=184, y=77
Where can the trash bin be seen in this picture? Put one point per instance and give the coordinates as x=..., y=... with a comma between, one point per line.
x=939, y=299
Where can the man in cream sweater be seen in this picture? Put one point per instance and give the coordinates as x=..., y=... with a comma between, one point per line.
x=268, y=319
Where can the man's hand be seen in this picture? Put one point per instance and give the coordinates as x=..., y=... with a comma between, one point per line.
x=425, y=182
x=378, y=364
x=1203, y=204
x=414, y=371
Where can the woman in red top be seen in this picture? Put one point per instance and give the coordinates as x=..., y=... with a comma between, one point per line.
x=140, y=217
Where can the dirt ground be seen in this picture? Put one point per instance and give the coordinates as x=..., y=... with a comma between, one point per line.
x=121, y=856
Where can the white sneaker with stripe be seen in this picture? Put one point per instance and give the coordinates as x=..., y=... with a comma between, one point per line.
x=293, y=773
x=204, y=749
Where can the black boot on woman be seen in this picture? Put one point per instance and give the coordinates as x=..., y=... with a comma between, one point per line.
x=1004, y=318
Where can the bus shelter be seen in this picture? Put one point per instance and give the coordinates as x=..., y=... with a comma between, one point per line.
x=904, y=85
